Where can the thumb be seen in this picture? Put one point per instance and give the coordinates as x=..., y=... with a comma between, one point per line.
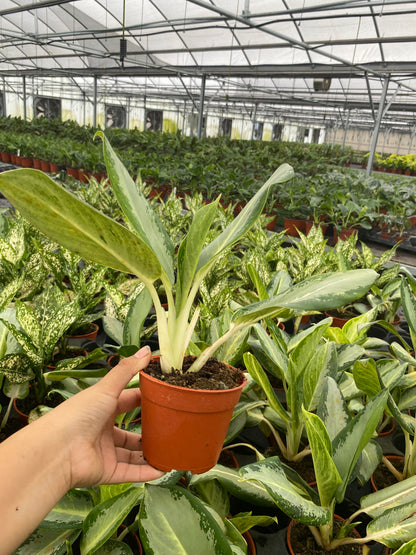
x=117, y=379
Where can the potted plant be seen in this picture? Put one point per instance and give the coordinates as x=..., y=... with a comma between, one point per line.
x=336, y=440
x=146, y=250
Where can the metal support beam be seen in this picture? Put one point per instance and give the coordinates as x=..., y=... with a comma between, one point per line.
x=412, y=136
x=253, y=120
x=380, y=114
x=24, y=98
x=94, y=104
x=201, y=107
x=4, y=97
x=347, y=121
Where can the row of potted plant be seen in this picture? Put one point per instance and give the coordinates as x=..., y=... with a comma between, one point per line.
x=271, y=288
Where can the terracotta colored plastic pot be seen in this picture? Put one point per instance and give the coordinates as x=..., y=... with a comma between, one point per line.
x=26, y=162
x=184, y=429
x=292, y=226
x=344, y=234
x=78, y=339
x=73, y=172
x=45, y=166
x=5, y=157
x=37, y=164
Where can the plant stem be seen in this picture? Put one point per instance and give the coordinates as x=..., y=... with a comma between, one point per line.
x=209, y=351
x=7, y=414
x=398, y=475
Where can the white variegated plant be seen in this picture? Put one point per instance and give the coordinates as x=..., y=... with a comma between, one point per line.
x=337, y=442
x=143, y=248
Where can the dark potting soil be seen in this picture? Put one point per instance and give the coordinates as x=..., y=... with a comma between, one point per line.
x=213, y=376
x=382, y=477
x=303, y=543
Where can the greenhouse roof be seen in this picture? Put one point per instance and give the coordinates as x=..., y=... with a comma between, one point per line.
x=298, y=52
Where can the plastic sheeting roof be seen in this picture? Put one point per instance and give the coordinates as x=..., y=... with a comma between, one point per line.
x=268, y=51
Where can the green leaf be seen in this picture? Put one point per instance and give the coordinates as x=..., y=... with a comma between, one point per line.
x=190, y=250
x=320, y=292
x=113, y=328
x=326, y=473
x=349, y=443
x=269, y=472
x=137, y=210
x=246, y=218
x=322, y=364
x=105, y=518
x=370, y=459
x=70, y=511
x=258, y=374
x=395, y=526
x=366, y=377
x=332, y=410
x=409, y=307
x=17, y=368
x=76, y=225
x=215, y=495
x=172, y=522
x=114, y=547
x=396, y=495
x=29, y=322
x=272, y=350
x=245, y=521
x=408, y=548
x=307, y=343
x=47, y=542
x=133, y=324
x=251, y=492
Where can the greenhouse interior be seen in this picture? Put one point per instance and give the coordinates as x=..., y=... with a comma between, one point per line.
x=208, y=277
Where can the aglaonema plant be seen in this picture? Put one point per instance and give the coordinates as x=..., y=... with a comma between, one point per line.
x=336, y=441
x=143, y=248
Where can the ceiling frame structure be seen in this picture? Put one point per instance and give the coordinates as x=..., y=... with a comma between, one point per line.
x=223, y=53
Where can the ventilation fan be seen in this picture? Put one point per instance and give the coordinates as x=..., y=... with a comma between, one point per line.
x=154, y=120
x=49, y=108
x=115, y=116
x=258, y=130
x=225, y=127
x=321, y=84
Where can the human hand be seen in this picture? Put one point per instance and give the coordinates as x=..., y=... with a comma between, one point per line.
x=97, y=451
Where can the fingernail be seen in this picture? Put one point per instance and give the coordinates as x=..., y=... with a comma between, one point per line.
x=143, y=352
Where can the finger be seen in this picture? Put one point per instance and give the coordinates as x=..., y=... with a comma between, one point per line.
x=126, y=472
x=116, y=380
x=129, y=399
x=127, y=456
x=128, y=440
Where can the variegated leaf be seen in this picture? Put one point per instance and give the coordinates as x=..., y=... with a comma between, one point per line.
x=104, y=519
x=47, y=542
x=77, y=226
x=395, y=526
x=17, y=368
x=287, y=497
x=326, y=473
x=70, y=511
x=174, y=522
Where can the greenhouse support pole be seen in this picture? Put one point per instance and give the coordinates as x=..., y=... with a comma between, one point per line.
x=253, y=121
x=24, y=98
x=4, y=97
x=347, y=121
x=377, y=126
x=412, y=136
x=201, y=107
x=94, y=107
